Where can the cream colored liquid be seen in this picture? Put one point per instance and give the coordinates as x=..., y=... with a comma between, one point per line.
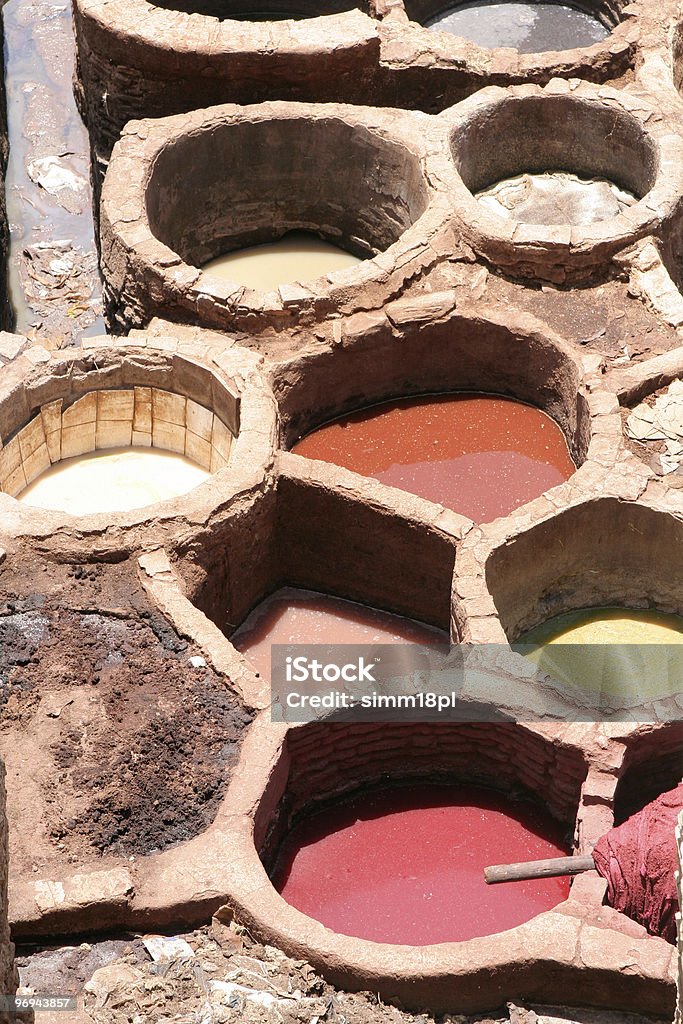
x=297, y=256
x=114, y=480
x=637, y=660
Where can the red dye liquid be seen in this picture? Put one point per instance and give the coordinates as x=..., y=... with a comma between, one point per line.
x=405, y=865
x=477, y=454
x=293, y=616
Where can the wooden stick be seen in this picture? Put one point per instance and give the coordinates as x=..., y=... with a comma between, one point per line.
x=550, y=868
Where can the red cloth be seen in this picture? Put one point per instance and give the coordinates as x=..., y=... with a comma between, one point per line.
x=638, y=859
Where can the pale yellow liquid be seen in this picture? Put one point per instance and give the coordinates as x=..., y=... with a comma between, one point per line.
x=297, y=256
x=639, y=657
x=115, y=480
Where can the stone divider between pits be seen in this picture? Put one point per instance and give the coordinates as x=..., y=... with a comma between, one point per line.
x=207, y=401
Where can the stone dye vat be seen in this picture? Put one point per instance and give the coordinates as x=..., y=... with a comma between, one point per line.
x=526, y=27
x=254, y=181
x=583, y=174
x=119, y=431
x=477, y=454
x=297, y=256
x=291, y=616
x=405, y=865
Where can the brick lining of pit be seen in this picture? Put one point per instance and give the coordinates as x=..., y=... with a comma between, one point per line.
x=72, y=392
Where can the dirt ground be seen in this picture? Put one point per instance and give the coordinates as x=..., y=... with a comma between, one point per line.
x=220, y=975
x=604, y=318
x=114, y=741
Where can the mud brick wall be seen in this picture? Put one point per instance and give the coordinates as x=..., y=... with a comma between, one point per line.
x=7, y=973
x=327, y=759
x=330, y=542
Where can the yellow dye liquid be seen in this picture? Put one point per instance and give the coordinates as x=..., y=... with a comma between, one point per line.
x=622, y=656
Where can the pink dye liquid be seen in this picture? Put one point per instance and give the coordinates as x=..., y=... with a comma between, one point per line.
x=481, y=455
x=293, y=616
x=405, y=865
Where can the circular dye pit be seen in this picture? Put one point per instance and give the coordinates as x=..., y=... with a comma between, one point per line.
x=406, y=865
x=297, y=256
x=294, y=616
x=115, y=480
x=620, y=657
x=526, y=27
x=556, y=197
x=480, y=455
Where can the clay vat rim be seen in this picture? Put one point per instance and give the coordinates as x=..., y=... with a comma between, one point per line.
x=504, y=60
x=172, y=32
x=571, y=248
x=251, y=452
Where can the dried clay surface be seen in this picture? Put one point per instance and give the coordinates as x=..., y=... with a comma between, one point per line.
x=219, y=974
x=100, y=701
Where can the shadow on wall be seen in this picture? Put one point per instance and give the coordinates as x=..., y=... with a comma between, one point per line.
x=600, y=553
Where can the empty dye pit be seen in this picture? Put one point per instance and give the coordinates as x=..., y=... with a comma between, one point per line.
x=526, y=27
x=481, y=455
x=113, y=481
x=297, y=256
x=556, y=198
x=406, y=864
x=294, y=616
x=638, y=658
